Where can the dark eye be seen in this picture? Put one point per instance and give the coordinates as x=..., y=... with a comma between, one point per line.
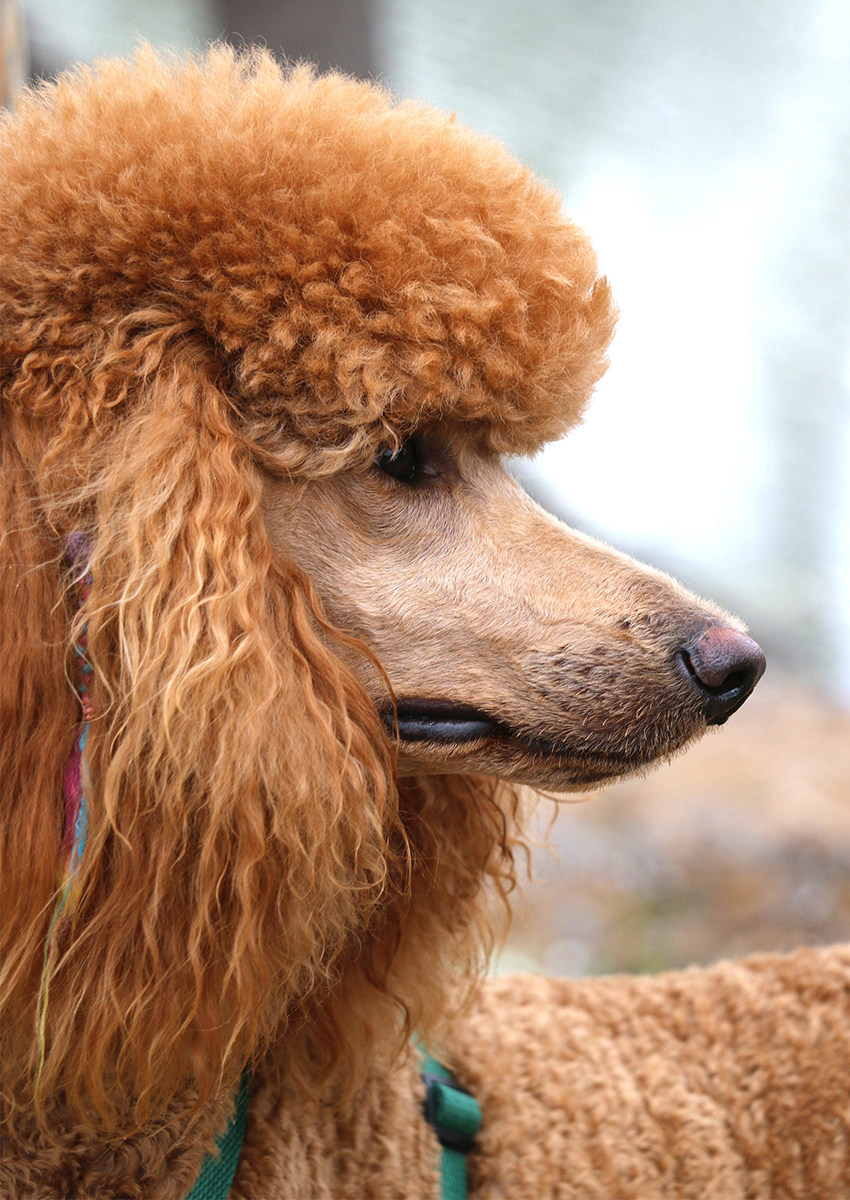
x=402, y=463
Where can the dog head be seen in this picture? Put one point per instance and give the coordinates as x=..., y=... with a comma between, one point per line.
x=265, y=339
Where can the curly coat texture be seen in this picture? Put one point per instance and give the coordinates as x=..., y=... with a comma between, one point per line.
x=728, y=1083
x=208, y=267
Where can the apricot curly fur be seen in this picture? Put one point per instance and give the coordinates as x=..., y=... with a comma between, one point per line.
x=210, y=266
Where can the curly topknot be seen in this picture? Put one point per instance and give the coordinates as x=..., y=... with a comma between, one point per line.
x=358, y=266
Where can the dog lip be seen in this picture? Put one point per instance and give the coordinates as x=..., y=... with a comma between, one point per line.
x=446, y=722
x=439, y=721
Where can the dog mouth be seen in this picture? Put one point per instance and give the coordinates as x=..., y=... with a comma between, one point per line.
x=447, y=724
x=440, y=721
x=425, y=726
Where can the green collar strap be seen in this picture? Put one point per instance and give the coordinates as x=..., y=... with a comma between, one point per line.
x=455, y=1117
x=217, y=1172
x=452, y=1112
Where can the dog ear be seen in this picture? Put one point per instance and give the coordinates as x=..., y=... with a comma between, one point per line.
x=38, y=716
x=239, y=786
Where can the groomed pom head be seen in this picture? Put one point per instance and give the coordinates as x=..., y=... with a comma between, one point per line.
x=358, y=267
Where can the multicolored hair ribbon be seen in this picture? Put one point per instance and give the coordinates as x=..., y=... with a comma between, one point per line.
x=77, y=549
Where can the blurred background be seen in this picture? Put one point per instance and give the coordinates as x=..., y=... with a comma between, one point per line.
x=706, y=148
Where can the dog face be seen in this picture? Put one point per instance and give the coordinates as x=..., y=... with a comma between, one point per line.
x=514, y=646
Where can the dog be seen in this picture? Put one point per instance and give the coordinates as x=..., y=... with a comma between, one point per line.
x=266, y=338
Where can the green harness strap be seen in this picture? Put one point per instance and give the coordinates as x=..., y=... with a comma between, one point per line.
x=452, y=1112
x=455, y=1116
x=216, y=1175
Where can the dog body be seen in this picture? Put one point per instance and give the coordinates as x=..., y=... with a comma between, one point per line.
x=265, y=339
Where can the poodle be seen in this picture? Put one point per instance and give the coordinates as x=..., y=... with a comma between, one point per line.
x=266, y=337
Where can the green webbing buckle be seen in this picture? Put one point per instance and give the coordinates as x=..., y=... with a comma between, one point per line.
x=452, y=1111
x=455, y=1116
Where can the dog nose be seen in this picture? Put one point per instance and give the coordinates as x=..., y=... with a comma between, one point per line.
x=725, y=665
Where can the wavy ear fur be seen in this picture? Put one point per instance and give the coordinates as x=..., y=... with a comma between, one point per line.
x=252, y=872
x=239, y=786
x=38, y=716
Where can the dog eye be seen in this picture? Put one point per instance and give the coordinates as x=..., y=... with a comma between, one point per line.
x=402, y=463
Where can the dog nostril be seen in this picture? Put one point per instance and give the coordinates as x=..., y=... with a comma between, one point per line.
x=723, y=658
x=725, y=665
